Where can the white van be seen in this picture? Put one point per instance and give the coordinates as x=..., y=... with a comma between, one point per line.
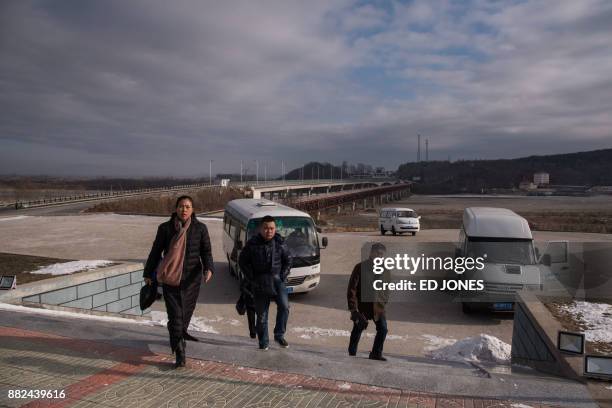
x=241, y=222
x=504, y=240
x=399, y=220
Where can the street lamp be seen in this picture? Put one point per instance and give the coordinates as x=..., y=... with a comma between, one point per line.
x=210, y=171
x=257, y=172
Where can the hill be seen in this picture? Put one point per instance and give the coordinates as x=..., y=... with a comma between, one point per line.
x=473, y=176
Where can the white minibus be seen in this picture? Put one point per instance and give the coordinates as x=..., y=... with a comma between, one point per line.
x=399, y=220
x=241, y=222
x=503, y=238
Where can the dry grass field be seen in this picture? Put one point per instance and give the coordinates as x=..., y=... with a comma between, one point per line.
x=204, y=200
x=563, y=214
x=21, y=265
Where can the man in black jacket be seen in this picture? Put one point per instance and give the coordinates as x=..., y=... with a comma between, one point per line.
x=265, y=261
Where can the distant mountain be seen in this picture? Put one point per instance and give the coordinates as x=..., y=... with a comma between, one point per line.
x=583, y=168
x=314, y=170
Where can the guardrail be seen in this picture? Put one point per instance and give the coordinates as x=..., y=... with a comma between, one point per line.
x=127, y=193
x=331, y=200
x=102, y=196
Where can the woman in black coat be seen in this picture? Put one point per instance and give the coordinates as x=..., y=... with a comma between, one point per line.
x=183, y=240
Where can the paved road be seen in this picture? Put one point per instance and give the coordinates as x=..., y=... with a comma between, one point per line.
x=317, y=318
x=59, y=209
x=126, y=365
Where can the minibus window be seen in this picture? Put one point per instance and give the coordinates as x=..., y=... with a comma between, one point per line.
x=502, y=251
x=407, y=214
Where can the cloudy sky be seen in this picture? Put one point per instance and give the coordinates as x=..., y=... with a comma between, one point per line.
x=139, y=88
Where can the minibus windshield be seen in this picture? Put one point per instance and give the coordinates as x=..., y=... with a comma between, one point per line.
x=502, y=251
x=406, y=214
x=299, y=234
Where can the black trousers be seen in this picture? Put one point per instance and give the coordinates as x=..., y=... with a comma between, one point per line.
x=379, y=340
x=180, y=305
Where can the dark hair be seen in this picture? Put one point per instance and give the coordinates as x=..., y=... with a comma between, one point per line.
x=267, y=218
x=377, y=246
x=181, y=198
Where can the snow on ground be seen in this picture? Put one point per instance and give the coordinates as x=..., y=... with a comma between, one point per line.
x=18, y=217
x=521, y=406
x=205, y=218
x=220, y=319
x=67, y=268
x=308, y=333
x=596, y=317
x=196, y=324
x=437, y=342
x=61, y=313
x=482, y=348
x=344, y=386
x=319, y=332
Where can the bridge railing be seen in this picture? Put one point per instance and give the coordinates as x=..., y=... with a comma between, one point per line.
x=132, y=192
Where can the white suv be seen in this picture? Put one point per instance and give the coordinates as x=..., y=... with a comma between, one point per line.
x=399, y=220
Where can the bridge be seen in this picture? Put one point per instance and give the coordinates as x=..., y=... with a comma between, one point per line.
x=274, y=189
x=300, y=188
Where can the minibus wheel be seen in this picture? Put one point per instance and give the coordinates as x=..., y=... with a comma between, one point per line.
x=413, y=233
x=393, y=231
x=382, y=230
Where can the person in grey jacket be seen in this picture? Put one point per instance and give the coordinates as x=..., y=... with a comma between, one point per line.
x=265, y=262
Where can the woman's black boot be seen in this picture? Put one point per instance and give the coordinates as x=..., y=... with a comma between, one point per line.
x=180, y=353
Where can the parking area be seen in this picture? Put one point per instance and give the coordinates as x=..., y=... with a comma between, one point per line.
x=316, y=318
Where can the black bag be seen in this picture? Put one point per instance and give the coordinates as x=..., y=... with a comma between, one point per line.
x=264, y=285
x=148, y=295
x=359, y=319
x=241, y=305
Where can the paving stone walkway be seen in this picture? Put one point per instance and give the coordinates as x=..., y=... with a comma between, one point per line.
x=96, y=374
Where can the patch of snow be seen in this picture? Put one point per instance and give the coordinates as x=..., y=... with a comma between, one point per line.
x=305, y=336
x=437, y=342
x=596, y=317
x=196, y=324
x=517, y=405
x=66, y=268
x=344, y=386
x=319, y=332
x=220, y=319
x=206, y=218
x=15, y=218
x=482, y=348
x=609, y=387
x=61, y=313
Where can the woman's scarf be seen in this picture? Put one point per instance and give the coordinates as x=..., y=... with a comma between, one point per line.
x=170, y=268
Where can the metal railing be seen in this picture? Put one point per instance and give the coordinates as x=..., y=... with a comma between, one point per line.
x=73, y=198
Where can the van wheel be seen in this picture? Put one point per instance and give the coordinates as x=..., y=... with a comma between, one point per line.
x=393, y=231
x=466, y=308
x=413, y=234
x=382, y=230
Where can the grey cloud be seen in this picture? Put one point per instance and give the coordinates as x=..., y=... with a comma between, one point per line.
x=154, y=88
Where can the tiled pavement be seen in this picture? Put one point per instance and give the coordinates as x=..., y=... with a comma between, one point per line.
x=94, y=374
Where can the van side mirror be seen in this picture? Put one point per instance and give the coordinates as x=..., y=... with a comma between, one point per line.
x=546, y=260
x=324, y=242
x=419, y=217
x=239, y=244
